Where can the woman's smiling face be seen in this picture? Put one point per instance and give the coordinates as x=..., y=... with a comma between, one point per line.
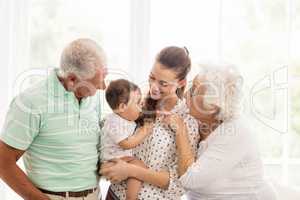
x=163, y=82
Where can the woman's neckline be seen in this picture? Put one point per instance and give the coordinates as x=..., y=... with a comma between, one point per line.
x=175, y=102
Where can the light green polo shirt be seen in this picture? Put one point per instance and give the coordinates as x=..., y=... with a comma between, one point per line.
x=59, y=135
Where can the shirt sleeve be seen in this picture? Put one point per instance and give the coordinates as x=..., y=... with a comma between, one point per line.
x=225, y=148
x=117, y=130
x=21, y=125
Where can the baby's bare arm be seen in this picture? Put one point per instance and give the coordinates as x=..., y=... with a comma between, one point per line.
x=137, y=138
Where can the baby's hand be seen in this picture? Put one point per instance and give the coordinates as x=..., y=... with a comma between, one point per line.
x=148, y=127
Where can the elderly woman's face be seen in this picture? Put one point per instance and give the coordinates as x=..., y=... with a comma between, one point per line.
x=195, y=99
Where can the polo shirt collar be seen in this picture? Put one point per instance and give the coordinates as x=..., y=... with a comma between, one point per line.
x=57, y=90
x=55, y=87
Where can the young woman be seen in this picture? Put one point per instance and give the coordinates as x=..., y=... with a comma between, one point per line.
x=167, y=81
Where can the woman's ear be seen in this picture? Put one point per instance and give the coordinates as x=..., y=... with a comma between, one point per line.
x=182, y=83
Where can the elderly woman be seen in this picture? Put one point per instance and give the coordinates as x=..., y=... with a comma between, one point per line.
x=228, y=164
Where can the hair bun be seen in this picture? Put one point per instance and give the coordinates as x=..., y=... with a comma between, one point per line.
x=186, y=51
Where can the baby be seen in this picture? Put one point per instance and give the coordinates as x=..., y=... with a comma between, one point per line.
x=120, y=133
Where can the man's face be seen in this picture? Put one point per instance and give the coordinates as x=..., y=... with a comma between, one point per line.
x=98, y=81
x=88, y=87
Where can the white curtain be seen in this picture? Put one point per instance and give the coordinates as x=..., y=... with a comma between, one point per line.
x=14, y=46
x=13, y=56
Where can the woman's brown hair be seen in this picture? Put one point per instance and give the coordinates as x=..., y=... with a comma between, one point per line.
x=172, y=58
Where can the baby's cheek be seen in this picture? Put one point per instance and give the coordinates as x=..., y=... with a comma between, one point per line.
x=137, y=113
x=134, y=112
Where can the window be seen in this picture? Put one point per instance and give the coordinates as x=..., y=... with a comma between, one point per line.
x=55, y=23
x=249, y=31
x=294, y=140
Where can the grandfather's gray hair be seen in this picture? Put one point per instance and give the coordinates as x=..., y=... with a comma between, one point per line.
x=81, y=57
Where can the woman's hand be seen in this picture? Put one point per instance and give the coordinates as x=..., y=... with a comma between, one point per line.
x=116, y=172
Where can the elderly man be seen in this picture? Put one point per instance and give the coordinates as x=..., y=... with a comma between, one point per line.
x=54, y=126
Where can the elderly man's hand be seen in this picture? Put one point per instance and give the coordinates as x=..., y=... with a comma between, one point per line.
x=115, y=171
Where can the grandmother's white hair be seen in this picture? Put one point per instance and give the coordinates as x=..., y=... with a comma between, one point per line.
x=223, y=88
x=81, y=57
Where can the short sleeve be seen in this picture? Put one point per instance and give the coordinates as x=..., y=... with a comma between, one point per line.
x=21, y=125
x=118, y=129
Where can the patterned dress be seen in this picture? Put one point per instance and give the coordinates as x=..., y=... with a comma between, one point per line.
x=158, y=152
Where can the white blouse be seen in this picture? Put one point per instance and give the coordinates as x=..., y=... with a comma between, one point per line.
x=158, y=152
x=228, y=167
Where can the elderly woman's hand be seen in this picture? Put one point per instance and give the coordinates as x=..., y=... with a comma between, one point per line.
x=115, y=171
x=174, y=122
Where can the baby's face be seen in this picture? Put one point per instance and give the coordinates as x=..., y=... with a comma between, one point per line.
x=134, y=105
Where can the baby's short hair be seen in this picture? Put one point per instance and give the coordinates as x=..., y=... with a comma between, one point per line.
x=118, y=91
